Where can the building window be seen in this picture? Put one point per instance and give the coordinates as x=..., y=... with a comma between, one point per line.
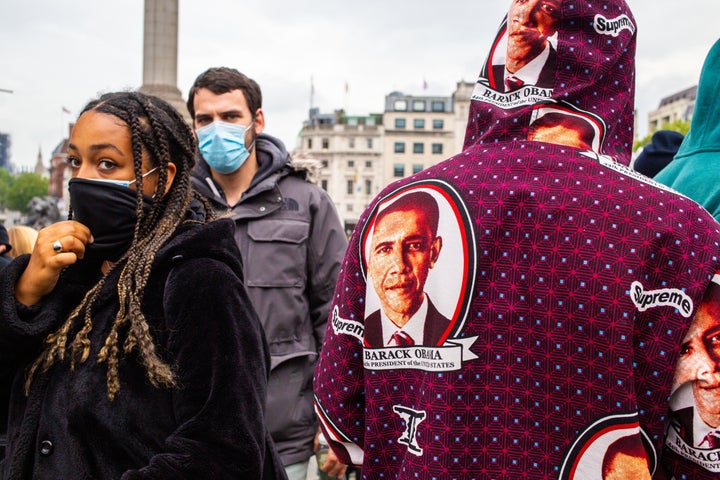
x=309, y=143
x=398, y=170
x=419, y=123
x=349, y=207
x=437, y=147
x=349, y=187
x=418, y=105
x=351, y=163
x=417, y=168
x=323, y=184
x=325, y=164
x=438, y=124
x=418, y=147
x=400, y=105
x=399, y=123
x=325, y=143
x=368, y=164
x=437, y=106
x=351, y=142
x=369, y=143
x=399, y=147
x=368, y=187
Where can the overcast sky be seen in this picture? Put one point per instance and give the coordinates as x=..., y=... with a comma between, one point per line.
x=61, y=54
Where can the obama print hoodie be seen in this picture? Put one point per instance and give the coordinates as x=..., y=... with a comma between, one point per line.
x=518, y=310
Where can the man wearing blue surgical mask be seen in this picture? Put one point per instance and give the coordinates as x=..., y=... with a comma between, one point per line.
x=291, y=241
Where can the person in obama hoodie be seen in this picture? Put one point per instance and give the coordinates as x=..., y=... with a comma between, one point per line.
x=568, y=278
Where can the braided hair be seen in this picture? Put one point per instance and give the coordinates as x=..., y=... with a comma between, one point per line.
x=158, y=129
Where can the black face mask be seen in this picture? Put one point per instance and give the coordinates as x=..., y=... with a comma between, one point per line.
x=108, y=210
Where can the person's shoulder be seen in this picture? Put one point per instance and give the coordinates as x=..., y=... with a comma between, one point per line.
x=213, y=241
x=298, y=186
x=298, y=180
x=373, y=317
x=201, y=231
x=301, y=174
x=435, y=314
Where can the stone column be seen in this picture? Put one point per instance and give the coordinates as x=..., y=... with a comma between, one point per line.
x=160, y=52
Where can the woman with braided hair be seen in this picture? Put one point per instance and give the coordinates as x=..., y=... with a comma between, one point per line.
x=137, y=351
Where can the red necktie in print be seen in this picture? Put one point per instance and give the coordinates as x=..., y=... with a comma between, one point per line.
x=712, y=440
x=402, y=339
x=513, y=83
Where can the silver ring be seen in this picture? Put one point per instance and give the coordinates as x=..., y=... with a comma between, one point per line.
x=57, y=246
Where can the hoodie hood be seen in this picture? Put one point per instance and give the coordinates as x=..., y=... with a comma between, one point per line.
x=559, y=71
x=272, y=156
x=273, y=159
x=694, y=171
x=704, y=134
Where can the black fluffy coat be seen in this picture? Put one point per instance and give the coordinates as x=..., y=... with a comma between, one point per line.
x=211, y=426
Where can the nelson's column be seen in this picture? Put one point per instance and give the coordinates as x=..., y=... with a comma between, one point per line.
x=160, y=53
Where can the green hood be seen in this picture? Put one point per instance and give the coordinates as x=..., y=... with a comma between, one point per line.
x=695, y=170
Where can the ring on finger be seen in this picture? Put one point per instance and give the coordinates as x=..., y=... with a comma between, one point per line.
x=57, y=246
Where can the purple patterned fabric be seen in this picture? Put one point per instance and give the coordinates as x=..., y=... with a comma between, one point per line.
x=550, y=284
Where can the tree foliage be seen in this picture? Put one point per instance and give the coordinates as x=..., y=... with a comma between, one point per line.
x=6, y=181
x=23, y=188
x=682, y=126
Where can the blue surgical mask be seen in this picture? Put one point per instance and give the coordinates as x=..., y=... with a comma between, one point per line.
x=222, y=145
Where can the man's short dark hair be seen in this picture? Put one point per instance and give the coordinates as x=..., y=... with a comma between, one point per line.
x=221, y=80
x=415, y=201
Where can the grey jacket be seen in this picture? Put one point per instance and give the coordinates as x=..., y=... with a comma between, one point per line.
x=292, y=244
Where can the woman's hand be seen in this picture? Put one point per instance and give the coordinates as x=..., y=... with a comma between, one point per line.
x=333, y=467
x=57, y=246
